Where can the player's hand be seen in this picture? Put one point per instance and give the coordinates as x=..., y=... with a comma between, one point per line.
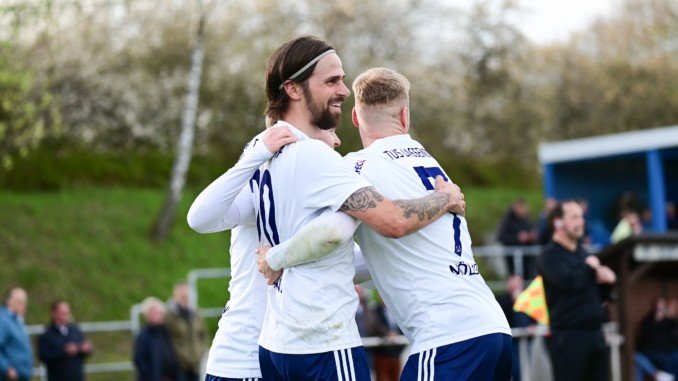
x=71, y=349
x=593, y=261
x=271, y=275
x=12, y=374
x=456, y=203
x=86, y=347
x=605, y=275
x=276, y=138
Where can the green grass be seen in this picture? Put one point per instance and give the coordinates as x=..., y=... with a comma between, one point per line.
x=486, y=206
x=91, y=246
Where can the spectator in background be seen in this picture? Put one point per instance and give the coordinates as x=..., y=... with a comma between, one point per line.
x=543, y=229
x=595, y=230
x=364, y=318
x=657, y=337
x=645, y=367
x=187, y=332
x=154, y=357
x=628, y=226
x=575, y=285
x=364, y=315
x=514, y=286
x=387, y=365
x=63, y=347
x=516, y=230
x=16, y=357
x=628, y=201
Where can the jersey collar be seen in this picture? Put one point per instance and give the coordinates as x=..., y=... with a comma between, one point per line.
x=389, y=141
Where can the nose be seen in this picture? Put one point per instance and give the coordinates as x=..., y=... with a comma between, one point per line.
x=336, y=141
x=343, y=90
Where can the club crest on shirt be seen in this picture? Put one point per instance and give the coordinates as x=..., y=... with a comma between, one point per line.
x=359, y=166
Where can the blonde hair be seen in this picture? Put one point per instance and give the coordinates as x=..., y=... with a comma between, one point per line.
x=380, y=86
x=151, y=302
x=381, y=91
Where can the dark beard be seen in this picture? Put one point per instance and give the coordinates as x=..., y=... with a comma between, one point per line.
x=321, y=117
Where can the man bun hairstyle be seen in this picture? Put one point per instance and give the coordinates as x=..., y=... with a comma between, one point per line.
x=285, y=62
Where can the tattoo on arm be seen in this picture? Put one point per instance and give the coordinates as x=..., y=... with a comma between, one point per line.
x=426, y=208
x=362, y=199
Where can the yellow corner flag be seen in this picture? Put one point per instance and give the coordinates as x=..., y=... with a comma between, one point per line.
x=532, y=301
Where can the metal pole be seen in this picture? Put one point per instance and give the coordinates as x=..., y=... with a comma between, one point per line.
x=192, y=280
x=525, y=370
x=518, y=262
x=134, y=314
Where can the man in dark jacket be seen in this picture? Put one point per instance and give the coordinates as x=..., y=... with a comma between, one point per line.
x=63, y=347
x=154, y=357
x=516, y=230
x=575, y=285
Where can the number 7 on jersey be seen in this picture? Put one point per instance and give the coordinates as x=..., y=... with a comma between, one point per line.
x=426, y=174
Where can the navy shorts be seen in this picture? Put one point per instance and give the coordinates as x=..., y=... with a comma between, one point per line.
x=348, y=364
x=483, y=358
x=209, y=377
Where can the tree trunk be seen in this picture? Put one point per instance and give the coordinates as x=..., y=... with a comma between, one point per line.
x=182, y=158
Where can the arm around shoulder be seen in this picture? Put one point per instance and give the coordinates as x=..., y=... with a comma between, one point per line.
x=319, y=237
x=395, y=219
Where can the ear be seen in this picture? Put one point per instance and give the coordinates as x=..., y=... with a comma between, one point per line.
x=354, y=118
x=558, y=223
x=293, y=90
x=405, y=118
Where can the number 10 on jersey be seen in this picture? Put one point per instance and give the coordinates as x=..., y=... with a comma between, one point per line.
x=266, y=217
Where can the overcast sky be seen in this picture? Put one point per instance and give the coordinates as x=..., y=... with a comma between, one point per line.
x=545, y=21
x=553, y=20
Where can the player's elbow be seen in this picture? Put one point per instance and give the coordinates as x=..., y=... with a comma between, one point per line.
x=197, y=224
x=395, y=228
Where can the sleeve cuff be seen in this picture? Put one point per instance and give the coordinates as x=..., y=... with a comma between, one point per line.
x=276, y=256
x=258, y=153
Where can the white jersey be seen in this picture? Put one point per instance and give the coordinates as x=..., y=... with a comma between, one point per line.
x=311, y=308
x=429, y=279
x=226, y=204
x=235, y=350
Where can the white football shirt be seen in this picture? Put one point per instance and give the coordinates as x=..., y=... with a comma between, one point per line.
x=311, y=308
x=227, y=204
x=429, y=279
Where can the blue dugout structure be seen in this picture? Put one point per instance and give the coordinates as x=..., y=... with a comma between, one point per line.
x=600, y=169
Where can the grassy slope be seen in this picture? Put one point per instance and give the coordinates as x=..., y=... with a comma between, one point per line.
x=91, y=246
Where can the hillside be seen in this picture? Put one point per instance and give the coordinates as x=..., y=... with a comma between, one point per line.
x=91, y=246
